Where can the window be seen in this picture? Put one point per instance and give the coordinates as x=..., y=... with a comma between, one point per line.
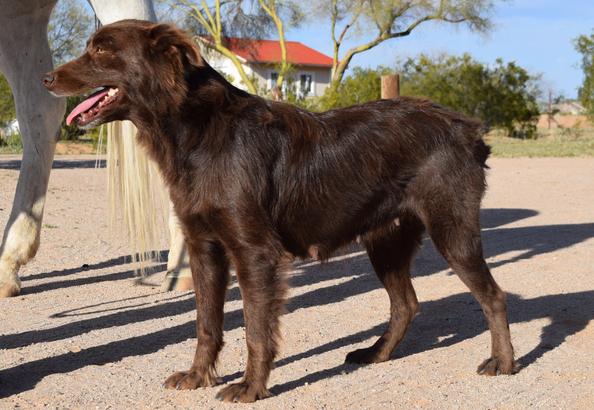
x=306, y=85
x=273, y=79
x=303, y=85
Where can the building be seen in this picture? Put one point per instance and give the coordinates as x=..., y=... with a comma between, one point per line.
x=565, y=114
x=310, y=75
x=569, y=107
x=9, y=129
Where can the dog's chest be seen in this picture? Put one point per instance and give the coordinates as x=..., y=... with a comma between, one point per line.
x=203, y=189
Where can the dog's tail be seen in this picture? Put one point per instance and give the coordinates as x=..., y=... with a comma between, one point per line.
x=481, y=152
x=475, y=130
x=471, y=131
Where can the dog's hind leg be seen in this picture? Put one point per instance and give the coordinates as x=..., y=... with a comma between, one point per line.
x=455, y=230
x=391, y=250
x=210, y=270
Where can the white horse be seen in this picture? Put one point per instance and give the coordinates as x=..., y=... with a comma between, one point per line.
x=24, y=57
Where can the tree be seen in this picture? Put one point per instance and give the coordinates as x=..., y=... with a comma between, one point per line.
x=274, y=9
x=7, y=110
x=388, y=19
x=69, y=28
x=585, y=46
x=220, y=21
x=503, y=96
x=217, y=21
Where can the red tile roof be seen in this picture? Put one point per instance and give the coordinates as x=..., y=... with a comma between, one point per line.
x=268, y=51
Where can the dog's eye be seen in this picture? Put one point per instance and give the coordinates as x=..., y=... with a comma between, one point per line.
x=99, y=50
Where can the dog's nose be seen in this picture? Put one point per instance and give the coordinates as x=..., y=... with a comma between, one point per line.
x=48, y=80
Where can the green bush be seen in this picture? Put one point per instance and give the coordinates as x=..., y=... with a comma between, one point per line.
x=7, y=109
x=363, y=85
x=585, y=46
x=11, y=144
x=71, y=132
x=503, y=96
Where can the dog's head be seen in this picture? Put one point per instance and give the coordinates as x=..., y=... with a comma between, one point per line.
x=131, y=67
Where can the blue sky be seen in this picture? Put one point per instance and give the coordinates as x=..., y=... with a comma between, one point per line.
x=537, y=34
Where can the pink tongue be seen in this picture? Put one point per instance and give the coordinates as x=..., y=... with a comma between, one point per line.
x=85, y=105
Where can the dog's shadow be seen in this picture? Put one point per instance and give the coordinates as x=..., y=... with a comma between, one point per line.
x=569, y=313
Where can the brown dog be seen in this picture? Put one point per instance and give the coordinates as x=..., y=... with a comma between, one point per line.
x=255, y=181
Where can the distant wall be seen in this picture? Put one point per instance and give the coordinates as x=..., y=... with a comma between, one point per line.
x=565, y=121
x=320, y=76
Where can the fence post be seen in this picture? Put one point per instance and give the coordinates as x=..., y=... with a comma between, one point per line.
x=390, y=86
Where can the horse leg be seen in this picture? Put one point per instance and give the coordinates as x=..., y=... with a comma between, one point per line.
x=179, y=274
x=108, y=11
x=24, y=57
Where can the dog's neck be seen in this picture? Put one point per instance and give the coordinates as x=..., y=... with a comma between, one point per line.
x=176, y=122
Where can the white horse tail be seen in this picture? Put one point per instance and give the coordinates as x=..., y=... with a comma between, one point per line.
x=137, y=195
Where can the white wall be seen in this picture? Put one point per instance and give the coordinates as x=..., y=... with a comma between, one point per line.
x=225, y=66
x=321, y=75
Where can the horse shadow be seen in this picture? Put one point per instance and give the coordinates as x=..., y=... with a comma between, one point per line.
x=15, y=164
x=109, y=263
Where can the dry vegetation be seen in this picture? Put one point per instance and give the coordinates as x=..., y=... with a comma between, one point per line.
x=557, y=142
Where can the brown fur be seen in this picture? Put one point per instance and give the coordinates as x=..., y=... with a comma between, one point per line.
x=255, y=183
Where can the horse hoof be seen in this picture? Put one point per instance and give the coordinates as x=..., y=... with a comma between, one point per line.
x=177, y=283
x=9, y=290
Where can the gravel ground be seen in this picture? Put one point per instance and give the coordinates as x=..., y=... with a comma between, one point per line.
x=85, y=334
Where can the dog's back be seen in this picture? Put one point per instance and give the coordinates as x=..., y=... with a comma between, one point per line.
x=348, y=171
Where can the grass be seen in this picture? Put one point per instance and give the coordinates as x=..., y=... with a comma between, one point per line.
x=11, y=145
x=85, y=145
x=6, y=150
x=554, y=143
x=79, y=147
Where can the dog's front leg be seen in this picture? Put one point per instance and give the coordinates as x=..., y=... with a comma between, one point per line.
x=261, y=280
x=210, y=271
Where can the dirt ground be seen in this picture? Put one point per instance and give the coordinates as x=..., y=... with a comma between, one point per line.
x=74, y=148
x=84, y=334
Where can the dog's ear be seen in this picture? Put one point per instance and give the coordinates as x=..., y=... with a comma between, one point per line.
x=166, y=38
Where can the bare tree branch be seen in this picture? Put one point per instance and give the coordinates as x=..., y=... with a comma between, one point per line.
x=69, y=27
x=385, y=16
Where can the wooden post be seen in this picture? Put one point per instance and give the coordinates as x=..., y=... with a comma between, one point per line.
x=390, y=86
x=550, y=116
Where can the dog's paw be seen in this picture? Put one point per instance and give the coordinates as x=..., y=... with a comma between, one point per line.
x=189, y=380
x=242, y=393
x=364, y=356
x=494, y=366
